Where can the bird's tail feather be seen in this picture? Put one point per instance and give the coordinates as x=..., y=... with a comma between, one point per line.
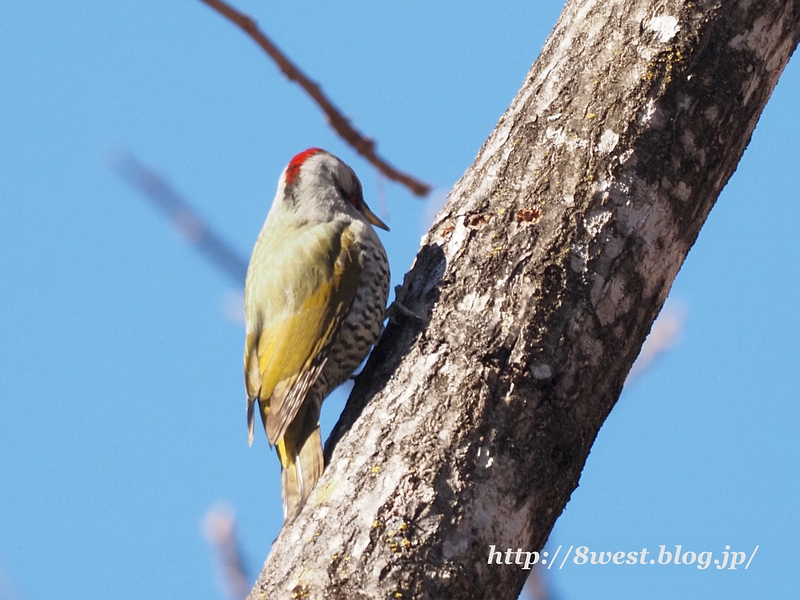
x=302, y=463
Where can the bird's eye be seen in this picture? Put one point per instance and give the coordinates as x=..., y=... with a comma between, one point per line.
x=351, y=198
x=357, y=197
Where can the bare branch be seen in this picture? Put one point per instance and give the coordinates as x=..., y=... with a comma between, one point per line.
x=363, y=145
x=185, y=218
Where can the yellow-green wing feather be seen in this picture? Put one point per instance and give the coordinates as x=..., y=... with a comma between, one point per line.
x=295, y=308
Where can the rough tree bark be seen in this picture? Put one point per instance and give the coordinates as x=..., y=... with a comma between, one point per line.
x=538, y=283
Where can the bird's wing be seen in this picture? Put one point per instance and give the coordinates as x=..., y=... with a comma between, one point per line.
x=308, y=302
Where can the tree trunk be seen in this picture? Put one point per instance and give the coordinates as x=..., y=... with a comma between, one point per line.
x=536, y=285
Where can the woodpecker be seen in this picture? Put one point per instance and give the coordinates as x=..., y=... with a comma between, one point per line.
x=315, y=298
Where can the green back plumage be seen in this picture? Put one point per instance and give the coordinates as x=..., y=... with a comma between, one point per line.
x=294, y=306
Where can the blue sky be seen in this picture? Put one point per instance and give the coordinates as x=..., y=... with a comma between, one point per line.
x=121, y=394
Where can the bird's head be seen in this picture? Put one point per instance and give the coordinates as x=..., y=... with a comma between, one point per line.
x=316, y=184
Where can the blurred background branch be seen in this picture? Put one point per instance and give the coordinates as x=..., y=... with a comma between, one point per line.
x=183, y=216
x=219, y=529
x=664, y=335
x=536, y=587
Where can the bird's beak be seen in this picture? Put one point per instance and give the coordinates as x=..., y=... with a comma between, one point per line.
x=371, y=217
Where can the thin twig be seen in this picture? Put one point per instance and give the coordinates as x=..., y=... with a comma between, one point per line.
x=185, y=218
x=363, y=145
